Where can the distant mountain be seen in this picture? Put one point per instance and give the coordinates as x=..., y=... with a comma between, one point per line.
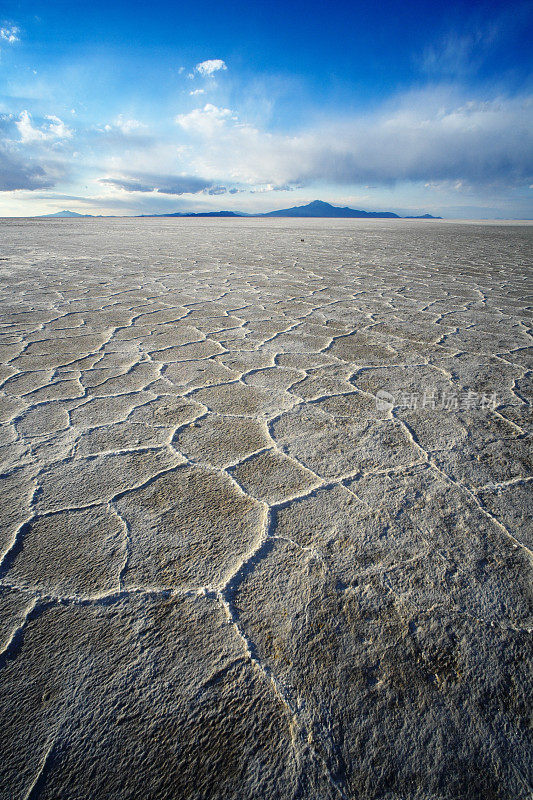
x=199, y=214
x=422, y=216
x=66, y=214
x=318, y=208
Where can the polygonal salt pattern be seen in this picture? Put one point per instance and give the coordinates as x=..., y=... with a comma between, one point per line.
x=265, y=500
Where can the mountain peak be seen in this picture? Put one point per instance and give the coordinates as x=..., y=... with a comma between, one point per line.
x=319, y=208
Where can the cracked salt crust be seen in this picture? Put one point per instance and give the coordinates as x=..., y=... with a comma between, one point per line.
x=225, y=571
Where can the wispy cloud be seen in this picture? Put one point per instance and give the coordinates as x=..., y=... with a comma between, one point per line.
x=456, y=55
x=126, y=126
x=474, y=41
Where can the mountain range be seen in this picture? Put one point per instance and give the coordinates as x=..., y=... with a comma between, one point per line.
x=317, y=209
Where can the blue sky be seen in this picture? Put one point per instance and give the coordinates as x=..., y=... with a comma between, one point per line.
x=136, y=107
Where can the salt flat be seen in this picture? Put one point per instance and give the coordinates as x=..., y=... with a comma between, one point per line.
x=266, y=509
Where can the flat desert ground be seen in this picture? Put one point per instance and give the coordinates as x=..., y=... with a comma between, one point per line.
x=266, y=510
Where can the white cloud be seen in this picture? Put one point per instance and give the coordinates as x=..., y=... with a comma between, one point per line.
x=206, y=121
x=10, y=34
x=54, y=129
x=57, y=129
x=196, y=92
x=209, y=67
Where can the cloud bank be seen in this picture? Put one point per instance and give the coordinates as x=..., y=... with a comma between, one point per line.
x=436, y=137
x=430, y=135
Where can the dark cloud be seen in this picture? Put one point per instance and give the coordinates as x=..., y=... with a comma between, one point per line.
x=23, y=167
x=164, y=184
x=16, y=173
